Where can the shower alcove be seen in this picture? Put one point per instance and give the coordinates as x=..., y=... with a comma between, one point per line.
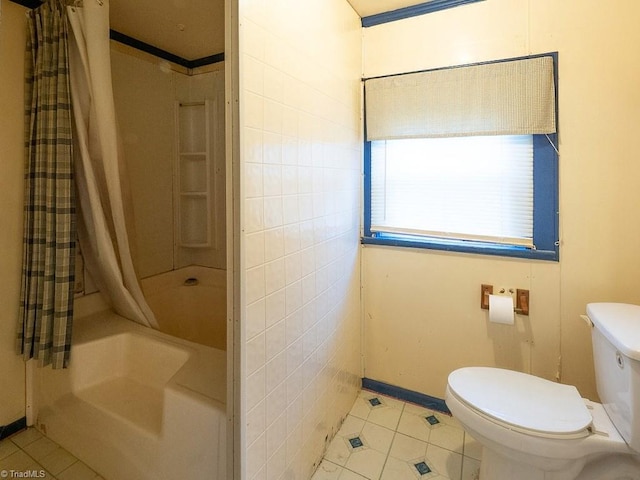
x=172, y=124
x=137, y=403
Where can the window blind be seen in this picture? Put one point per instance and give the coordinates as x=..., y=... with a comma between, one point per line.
x=512, y=97
x=474, y=188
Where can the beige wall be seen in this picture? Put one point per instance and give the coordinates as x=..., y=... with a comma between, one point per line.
x=12, y=45
x=300, y=162
x=145, y=92
x=421, y=308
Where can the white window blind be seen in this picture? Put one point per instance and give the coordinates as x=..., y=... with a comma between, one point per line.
x=512, y=97
x=476, y=188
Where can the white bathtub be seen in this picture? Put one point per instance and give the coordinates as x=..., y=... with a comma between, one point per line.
x=135, y=403
x=190, y=303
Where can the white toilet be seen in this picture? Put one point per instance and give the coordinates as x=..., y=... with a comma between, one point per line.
x=535, y=429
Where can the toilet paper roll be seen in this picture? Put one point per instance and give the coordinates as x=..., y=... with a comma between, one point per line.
x=501, y=309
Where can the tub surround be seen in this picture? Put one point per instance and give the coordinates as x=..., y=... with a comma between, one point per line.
x=137, y=403
x=190, y=303
x=145, y=96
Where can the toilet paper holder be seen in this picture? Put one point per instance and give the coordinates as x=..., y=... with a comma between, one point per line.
x=522, y=298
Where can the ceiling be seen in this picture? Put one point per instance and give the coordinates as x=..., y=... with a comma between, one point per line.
x=194, y=29
x=365, y=8
x=191, y=29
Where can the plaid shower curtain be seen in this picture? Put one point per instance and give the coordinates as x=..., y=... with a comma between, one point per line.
x=46, y=303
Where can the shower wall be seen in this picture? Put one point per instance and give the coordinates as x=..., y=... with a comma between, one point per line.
x=146, y=91
x=300, y=67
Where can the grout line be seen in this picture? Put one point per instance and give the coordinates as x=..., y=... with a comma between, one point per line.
x=395, y=432
x=38, y=464
x=463, y=455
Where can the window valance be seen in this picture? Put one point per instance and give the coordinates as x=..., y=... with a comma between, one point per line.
x=514, y=97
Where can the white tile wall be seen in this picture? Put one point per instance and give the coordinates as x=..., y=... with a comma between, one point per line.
x=300, y=65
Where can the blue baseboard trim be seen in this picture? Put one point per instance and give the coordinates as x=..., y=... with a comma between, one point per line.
x=13, y=427
x=427, y=401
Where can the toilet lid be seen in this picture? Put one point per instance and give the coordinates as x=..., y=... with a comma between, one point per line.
x=530, y=404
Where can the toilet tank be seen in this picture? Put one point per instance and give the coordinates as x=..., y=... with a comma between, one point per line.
x=616, y=355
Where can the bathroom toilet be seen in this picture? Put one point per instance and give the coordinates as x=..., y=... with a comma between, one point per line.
x=536, y=429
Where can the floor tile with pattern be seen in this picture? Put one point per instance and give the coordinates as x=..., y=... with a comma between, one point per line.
x=383, y=438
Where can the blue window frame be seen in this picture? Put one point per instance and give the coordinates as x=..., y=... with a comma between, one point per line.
x=545, y=211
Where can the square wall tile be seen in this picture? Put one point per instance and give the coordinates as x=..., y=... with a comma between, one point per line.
x=294, y=327
x=295, y=118
x=253, y=79
x=289, y=152
x=255, y=354
x=252, y=145
x=256, y=423
x=276, y=371
x=253, y=215
x=256, y=315
x=255, y=388
x=273, y=212
x=254, y=248
x=253, y=180
x=274, y=276
x=253, y=110
x=275, y=307
x=276, y=402
x=272, y=147
x=273, y=244
x=272, y=180
x=272, y=116
x=275, y=339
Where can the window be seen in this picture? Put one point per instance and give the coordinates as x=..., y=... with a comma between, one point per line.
x=472, y=188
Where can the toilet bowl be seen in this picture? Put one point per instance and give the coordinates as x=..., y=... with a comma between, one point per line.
x=535, y=429
x=531, y=428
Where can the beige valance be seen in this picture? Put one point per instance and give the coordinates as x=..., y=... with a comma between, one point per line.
x=514, y=97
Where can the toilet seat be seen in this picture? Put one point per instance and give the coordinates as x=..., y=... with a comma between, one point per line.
x=522, y=402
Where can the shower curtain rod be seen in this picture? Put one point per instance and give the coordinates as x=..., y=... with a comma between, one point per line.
x=37, y=3
x=78, y=3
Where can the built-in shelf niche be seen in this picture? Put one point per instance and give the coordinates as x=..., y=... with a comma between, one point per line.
x=193, y=174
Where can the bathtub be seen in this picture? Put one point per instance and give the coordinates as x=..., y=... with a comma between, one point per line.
x=190, y=303
x=136, y=403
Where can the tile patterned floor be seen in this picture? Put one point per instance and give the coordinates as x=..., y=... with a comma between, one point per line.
x=381, y=439
x=386, y=439
x=30, y=451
